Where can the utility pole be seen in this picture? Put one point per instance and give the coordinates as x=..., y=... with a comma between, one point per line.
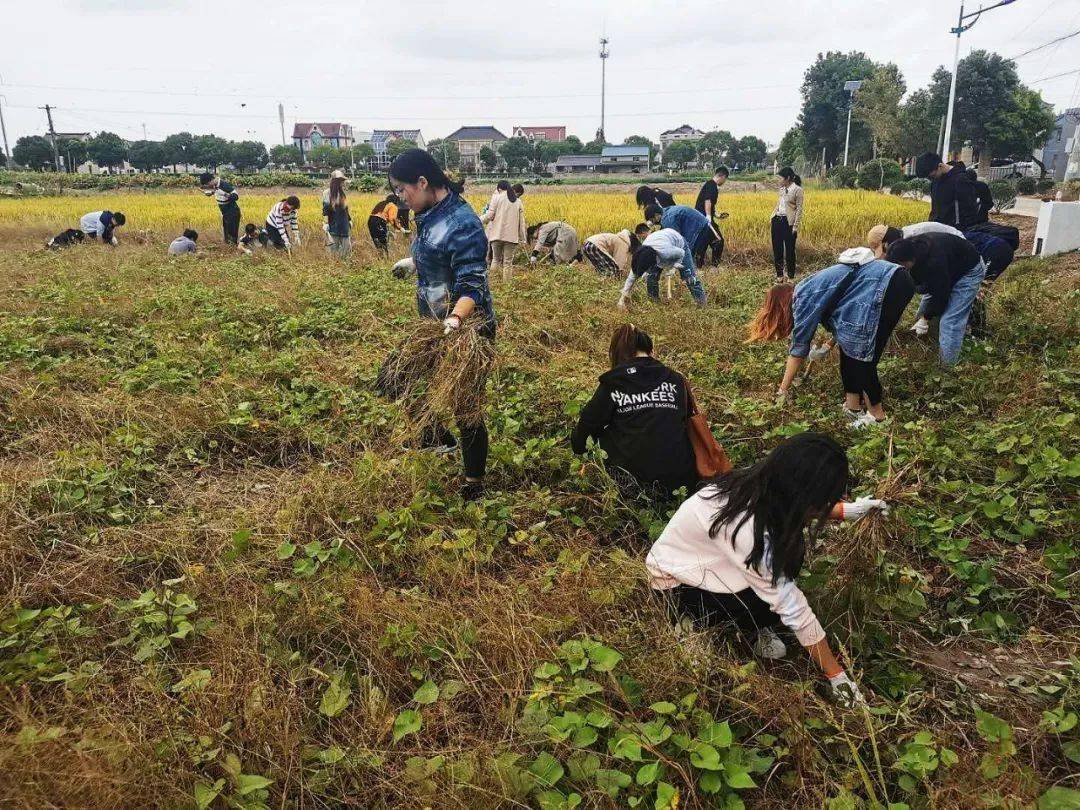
x=603, y=86
x=3, y=129
x=281, y=120
x=961, y=27
x=852, y=88
x=144, y=131
x=52, y=136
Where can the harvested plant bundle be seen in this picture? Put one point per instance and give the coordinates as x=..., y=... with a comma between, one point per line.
x=439, y=377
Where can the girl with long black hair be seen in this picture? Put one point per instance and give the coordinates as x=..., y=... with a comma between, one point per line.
x=732, y=551
x=449, y=253
x=786, y=221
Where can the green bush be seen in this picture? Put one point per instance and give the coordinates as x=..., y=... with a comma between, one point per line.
x=1025, y=185
x=919, y=187
x=1003, y=192
x=1045, y=186
x=900, y=188
x=879, y=173
x=842, y=177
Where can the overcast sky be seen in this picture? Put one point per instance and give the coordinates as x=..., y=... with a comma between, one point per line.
x=175, y=65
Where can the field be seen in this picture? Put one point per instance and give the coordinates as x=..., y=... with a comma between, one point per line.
x=224, y=582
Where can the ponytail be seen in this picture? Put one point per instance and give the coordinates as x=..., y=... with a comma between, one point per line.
x=412, y=164
x=627, y=341
x=504, y=186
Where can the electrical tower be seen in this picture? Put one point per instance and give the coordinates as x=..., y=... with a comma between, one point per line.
x=603, y=86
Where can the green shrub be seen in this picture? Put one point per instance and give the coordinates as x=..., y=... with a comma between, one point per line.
x=900, y=188
x=879, y=173
x=1045, y=186
x=919, y=187
x=842, y=177
x=1025, y=185
x=1004, y=193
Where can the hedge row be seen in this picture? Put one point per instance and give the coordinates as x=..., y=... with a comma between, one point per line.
x=54, y=181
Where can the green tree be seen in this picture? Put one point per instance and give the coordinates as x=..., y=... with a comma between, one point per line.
x=749, y=151
x=147, y=155
x=33, y=152
x=328, y=156
x=573, y=145
x=107, y=149
x=362, y=153
x=518, y=153
x=210, y=151
x=717, y=146
x=3, y=159
x=823, y=118
x=877, y=105
x=286, y=156
x=679, y=153
x=248, y=155
x=549, y=151
x=920, y=118
x=594, y=147
x=398, y=146
x=73, y=151
x=792, y=147
x=488, y=159
x=1016, y=132
x=641, y=140
x=446, y=153
x=179, y=148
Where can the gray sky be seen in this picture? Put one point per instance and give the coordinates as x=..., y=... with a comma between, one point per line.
x=189, y=64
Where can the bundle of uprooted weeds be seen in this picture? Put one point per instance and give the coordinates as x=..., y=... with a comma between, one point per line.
x=440, y=378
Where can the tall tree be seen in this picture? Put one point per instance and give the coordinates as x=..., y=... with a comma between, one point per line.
x=488, y=159
x=679, y=153
x=519, y=153
x=146, y=155
x=716, y=146
x=877, y=105
x=825, y=105
x=33, y=152
x=284, y=156
x=573, y=145
x=328, y=156
x=1017, y=131
x=641, y=140
x=446, y=153
x=362, y=153
x=73, y=151
x=210, y=151
x=248, y=155
x=749, y=151
x=398, y=146
x=595, y=147
x=107, y=149
x=179, y=148
x=792, y=147
x=920, y=119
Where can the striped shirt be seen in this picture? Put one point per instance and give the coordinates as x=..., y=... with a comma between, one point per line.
x=224, y=195
x=283, y=222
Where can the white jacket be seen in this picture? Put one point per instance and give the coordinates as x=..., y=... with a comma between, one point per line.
x=684, y=554
x=670, y=250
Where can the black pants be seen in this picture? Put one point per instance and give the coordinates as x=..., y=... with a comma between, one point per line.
x=230, y=224
x=275, y=238
x=710, y=240
x=860, y=376
x=783, y=246
x=474, y=446
x=380, y=233
x=745, y=609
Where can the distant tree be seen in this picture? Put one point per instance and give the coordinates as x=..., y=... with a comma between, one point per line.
x=641, y=140
x=792, y=147
x=73, y=151
x=286, y=156
x=446, y=153
x=823, y=118
x=488, y=159
x=3, y=159
x=920, y=119
x=248, y=155
x=749, y=150
x=679, y=153
x=549, y=151
x=594, y=147
x=361, y=154
x=328, y=156
x=179, y=148
x=396, y=147
x=107, y=149
x=518, y=153
x=147, y=155
x=716, y=146
x=1017, y=131
x=210, y=151
x=877, y=105
x=573, y=145
x=33, y=152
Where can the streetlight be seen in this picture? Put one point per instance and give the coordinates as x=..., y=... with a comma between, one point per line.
x=851, y=88
x=961, y=27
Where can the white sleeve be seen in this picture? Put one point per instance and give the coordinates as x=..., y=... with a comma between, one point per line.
x=789, y=603
x=631, y=279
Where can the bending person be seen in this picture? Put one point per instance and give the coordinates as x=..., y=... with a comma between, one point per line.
x=102, y=224
x=557, y=241
x=638, y=416
x=732, y=552
x=650, y=195
x=610, y=253
x=282, y=230
x=859, y=300
x=662, y=249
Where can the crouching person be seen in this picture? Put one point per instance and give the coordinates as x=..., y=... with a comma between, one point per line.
x=102, y=224
x=732, y=552
x=662, y=249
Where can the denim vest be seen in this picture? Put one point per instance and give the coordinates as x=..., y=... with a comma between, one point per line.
x=450, y=253
x=686, y=220
x=854, y=320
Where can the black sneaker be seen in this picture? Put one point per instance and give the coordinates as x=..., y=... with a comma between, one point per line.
x=472, y=490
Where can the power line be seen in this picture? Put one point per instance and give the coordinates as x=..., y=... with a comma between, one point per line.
x=1055, y=76
x=1045, y=45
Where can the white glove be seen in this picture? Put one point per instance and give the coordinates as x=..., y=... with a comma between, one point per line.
x=403, y=268
x=532, y=260
x=114, y=241
x=861, y=507
x=820, y=352
x=450, y=324
x=921, y=327
x=782, y=396
x=846, y=691
x=624, y=301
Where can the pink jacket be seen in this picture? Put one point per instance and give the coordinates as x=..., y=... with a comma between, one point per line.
x=504, y=220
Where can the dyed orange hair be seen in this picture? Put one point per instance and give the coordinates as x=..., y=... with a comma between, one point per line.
x=774, y=320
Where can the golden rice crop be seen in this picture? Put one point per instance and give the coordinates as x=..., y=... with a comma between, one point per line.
x=830, y=218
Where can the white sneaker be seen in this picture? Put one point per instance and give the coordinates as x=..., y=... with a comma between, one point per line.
x=768, y=645
x=850, y=415
x=863, y=420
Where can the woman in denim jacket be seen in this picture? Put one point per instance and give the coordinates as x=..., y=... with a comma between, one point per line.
x=859, y=300
x=449, y=253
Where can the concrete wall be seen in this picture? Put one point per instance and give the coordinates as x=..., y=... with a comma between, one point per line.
x=1058, y=230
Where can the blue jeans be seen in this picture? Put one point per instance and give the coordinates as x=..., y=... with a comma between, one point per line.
x=954, y=319
x=687, y=274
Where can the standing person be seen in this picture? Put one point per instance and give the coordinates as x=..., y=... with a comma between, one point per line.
x=185, y=243
x=732, y=552
x=984, y=198
x=519, y=190
x=505, y=228
x=638, y=415
x=706, y=204
x=662, y=249
x=859, y=300
x=610, y=253
x=383, y=216
x=650, y=195
x=786, y=221
x=949, y=271
x=102, y=224
x=953, y=200
x=224, y=194
x=282, y=230
x=449, y=254
x=338, y=222
x=558, y=241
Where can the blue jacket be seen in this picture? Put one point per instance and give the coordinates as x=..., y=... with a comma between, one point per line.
x=854, y=320
x=450, y=254
x=689, y=222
